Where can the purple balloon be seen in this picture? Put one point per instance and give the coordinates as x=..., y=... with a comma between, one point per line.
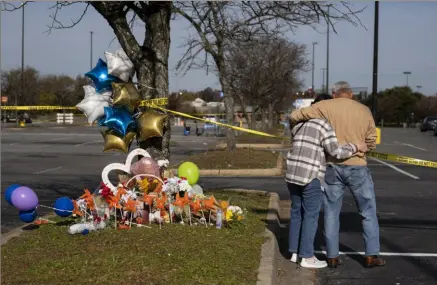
x=24, y=199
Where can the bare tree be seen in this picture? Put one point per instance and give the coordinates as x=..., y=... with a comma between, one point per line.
x=61, y=86
x=11, y=86
x=218, y=24
x=263, y=73
x=150, y=58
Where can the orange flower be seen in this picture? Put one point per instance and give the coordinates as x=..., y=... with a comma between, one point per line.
x=123, y=227
x=41, y=222
x=149, y=199
x=195, y=205
x=209, y=204
x=130, y=206
x=160, y=203
x=86, y=195
x=76, y=210
x=224, y=205
x=179, y=201
x=158, y=188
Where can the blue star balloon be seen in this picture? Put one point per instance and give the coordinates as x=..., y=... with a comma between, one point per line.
x=99, y=75
x=118, y=119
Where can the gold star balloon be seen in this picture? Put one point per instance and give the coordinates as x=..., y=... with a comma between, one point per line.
x=126, y=94
x=114, y=141
x=150, y=124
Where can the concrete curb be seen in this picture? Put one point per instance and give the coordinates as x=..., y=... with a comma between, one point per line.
x=16, y=232
x=267, y=271
x=253, y=145
x=266, y=172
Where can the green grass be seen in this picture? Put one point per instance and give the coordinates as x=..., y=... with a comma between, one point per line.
x=175, y=254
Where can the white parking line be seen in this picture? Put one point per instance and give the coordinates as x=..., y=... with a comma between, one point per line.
x=416, y=147
x=406, y=254
x=395, y=168
x=85, y=143
x=48, y=170
x=410, y=145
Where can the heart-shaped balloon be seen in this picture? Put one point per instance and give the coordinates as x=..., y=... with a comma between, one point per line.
x=122, y=167
x=146, y=165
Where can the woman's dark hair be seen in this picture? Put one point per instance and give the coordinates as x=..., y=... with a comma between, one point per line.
x=321, y=97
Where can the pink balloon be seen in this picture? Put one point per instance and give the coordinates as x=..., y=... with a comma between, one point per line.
x=146, y=165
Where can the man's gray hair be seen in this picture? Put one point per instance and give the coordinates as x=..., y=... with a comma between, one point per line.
x=340, y=87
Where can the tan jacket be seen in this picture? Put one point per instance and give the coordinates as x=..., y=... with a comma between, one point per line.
x=352, y=122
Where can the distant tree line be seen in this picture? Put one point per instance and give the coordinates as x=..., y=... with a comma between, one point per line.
x=37, y=89
x=399, y=105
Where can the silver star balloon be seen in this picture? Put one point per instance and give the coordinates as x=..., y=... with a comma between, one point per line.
x=93, y=104
x=120, y=65
x=90, y=90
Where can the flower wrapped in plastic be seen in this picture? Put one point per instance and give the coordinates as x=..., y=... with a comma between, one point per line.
x=234, y=214
x=174, y=185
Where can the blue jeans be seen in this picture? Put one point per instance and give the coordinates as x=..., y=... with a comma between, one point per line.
x=305, y=208
x=359, y=180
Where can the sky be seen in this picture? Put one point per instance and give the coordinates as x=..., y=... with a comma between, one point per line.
x=407, y=42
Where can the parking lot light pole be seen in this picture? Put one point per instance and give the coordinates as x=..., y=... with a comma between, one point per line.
x=312, y=77
x=327, y=54
x=22, y=67
x=407, y=73
x=375, y=59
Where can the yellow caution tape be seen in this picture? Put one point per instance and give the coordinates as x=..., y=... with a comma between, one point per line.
x=154, y=102
x=403, y=159
x=31, y=108
x=384, y=156
x=218, y=123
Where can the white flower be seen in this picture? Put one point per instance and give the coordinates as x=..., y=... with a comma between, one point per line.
x=235, y=210
x=185, y=186
x=163, y=163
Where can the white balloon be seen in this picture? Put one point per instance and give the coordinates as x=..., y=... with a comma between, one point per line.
x=123, y=167
x=120, y=65
x=90, y=90
x=197, y=190
x=93, y=106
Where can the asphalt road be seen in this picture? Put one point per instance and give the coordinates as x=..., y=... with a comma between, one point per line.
x=62, y=161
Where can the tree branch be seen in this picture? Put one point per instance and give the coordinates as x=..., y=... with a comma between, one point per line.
x=115, y=15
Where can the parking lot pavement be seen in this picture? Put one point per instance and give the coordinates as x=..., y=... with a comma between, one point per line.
x=60, y=161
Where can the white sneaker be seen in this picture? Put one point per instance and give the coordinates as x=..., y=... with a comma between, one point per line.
x=293, y=258
x=313, y=262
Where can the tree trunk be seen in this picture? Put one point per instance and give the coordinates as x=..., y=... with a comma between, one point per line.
x=152, y=71
x=253, y=118
x=264, y=119
x=229, y=107
x=150, y=59
x=271, y=115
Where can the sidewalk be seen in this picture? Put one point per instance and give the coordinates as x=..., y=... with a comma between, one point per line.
x=288, y=272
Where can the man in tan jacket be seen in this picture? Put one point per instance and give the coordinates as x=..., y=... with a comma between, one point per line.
x=352, y=123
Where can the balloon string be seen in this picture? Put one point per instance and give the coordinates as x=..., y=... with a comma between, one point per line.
x=145, y=86
x=55, y=209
